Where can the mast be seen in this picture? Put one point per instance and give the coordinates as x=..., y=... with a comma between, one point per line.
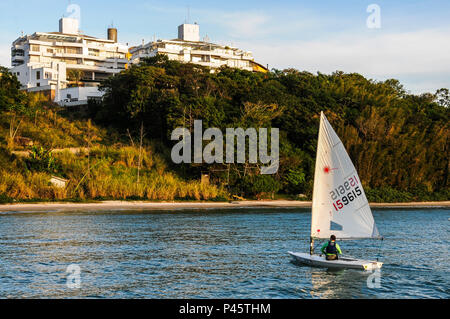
x=311, y=238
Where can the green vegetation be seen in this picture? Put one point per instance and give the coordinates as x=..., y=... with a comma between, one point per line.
x=98, y=162
x=399, y=142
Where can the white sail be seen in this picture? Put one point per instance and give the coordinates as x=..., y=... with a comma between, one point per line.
x=340, y=206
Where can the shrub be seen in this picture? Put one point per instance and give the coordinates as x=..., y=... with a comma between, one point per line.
x=42, y=160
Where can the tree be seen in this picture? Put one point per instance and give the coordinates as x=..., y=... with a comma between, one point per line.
x=75, y=76
x=442, y=97
x=41, y=159
x=295, y=179
x=89, y=138
x=395, y=139
x=260, y=185
x=13, y=101
x=36, y=102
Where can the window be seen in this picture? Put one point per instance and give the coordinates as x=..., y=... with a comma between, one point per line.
x=73, y=51
x=49, y=50
x=38, y=75
x=69, y=60
x=93, y=52
x=38, y=84
x=35, y=48
x=17, y=52
x=112, y=55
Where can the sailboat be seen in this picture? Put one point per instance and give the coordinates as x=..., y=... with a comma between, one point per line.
x=339, y=205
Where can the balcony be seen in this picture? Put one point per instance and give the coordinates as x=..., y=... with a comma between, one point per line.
x=85, y=67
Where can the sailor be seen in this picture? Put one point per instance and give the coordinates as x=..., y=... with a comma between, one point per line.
x=331, y=249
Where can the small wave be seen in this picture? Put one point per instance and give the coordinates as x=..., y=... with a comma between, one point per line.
x=406, y=267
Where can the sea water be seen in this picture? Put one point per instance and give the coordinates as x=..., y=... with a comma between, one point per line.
x=235, y=253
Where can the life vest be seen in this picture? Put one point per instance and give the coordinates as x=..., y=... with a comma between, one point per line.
x=331, y=248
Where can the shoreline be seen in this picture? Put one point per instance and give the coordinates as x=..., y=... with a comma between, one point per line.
x=141, y=205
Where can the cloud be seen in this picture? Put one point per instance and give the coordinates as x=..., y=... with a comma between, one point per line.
x=245, y=24
x=419, y=54
x=264, y=25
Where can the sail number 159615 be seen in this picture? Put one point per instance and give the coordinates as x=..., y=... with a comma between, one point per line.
x=346, y=193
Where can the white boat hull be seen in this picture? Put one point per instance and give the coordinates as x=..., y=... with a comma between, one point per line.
x=320, y=261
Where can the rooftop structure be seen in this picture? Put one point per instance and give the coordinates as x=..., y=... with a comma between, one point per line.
x=189, y=32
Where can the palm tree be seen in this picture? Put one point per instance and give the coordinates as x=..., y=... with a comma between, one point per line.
x=75, y=76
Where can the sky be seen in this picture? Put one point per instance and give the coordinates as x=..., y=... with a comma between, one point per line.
x=408, y=40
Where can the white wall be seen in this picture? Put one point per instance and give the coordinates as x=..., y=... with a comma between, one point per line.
x=68, y=25
x=27, y=74
x=21, y=71
x=189, y=32
x=78, y=95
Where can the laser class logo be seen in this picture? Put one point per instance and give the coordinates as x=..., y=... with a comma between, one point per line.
x=213, y=151
x=328, y=169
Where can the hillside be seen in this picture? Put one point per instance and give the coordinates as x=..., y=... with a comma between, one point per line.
x=99, y=163
x=399, y=142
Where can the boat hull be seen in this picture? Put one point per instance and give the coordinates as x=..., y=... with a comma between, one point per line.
x=320, y=261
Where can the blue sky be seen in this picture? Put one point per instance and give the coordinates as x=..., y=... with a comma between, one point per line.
x=412, y=45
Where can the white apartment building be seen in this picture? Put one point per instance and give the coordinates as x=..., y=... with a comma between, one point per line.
x=188, y=48
x=55, y=61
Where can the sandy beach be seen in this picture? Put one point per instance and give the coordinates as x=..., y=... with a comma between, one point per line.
x=140, y=205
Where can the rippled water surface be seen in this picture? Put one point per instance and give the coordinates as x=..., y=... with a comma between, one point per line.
x=239, y=253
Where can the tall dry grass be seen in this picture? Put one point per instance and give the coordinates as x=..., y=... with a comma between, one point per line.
x=108, y=172
x=112, y=174
x=29, y=186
